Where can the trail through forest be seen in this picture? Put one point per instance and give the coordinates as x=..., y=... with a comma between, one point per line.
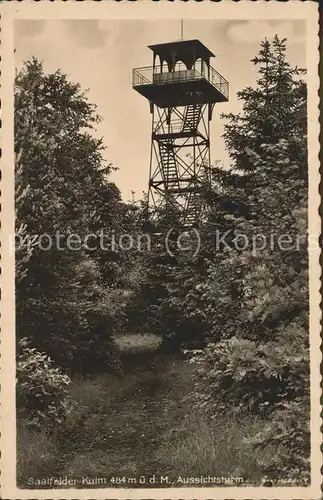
x=126, y=422
x=131, y=429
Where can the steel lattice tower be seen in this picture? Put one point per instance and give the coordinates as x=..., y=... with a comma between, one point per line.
x=182, y=91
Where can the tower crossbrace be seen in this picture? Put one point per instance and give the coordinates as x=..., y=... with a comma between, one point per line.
x=179, y=171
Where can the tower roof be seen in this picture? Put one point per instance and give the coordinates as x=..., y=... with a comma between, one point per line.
x=182, y=50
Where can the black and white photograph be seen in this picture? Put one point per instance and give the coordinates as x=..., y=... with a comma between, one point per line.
x=161, y=231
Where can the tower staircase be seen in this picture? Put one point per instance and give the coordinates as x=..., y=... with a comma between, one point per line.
x=192, y=117
x=168, y=162
x=193, y=209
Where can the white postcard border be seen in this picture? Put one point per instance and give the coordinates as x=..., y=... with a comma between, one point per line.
x=169, y=10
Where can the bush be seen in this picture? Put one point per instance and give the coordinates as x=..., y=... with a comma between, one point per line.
x=42, y=396
x=270, y=379
x=287, y=434
x=246, y=375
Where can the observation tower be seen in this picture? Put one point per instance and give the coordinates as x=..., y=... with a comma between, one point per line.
x=182, y=89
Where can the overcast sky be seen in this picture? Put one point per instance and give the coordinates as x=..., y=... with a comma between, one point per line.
x=100, y=56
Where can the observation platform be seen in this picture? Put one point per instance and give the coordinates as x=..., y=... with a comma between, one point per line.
x=182, y=86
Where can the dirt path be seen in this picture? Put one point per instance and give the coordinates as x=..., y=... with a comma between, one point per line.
x=138, y=424
x=123, y=434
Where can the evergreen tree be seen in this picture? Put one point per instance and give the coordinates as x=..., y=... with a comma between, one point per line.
x=257, y=356
x=272, y=111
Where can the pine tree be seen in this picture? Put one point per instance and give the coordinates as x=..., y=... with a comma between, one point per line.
x=257, y=356
x=272, y=111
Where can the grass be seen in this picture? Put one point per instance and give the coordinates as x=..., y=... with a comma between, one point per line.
x=138, y=424
x=137, y=342
x=200, y=447
x=36, y=453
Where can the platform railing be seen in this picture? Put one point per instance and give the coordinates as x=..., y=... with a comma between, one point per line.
x=149, y=75
x=219, y=82
x=141, y=76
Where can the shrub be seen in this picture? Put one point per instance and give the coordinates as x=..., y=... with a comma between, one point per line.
x=247, y=375
x=287, y=434
x=270, y=379
x=42, y=396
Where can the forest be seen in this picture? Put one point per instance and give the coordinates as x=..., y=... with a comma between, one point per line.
x=135, y=363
